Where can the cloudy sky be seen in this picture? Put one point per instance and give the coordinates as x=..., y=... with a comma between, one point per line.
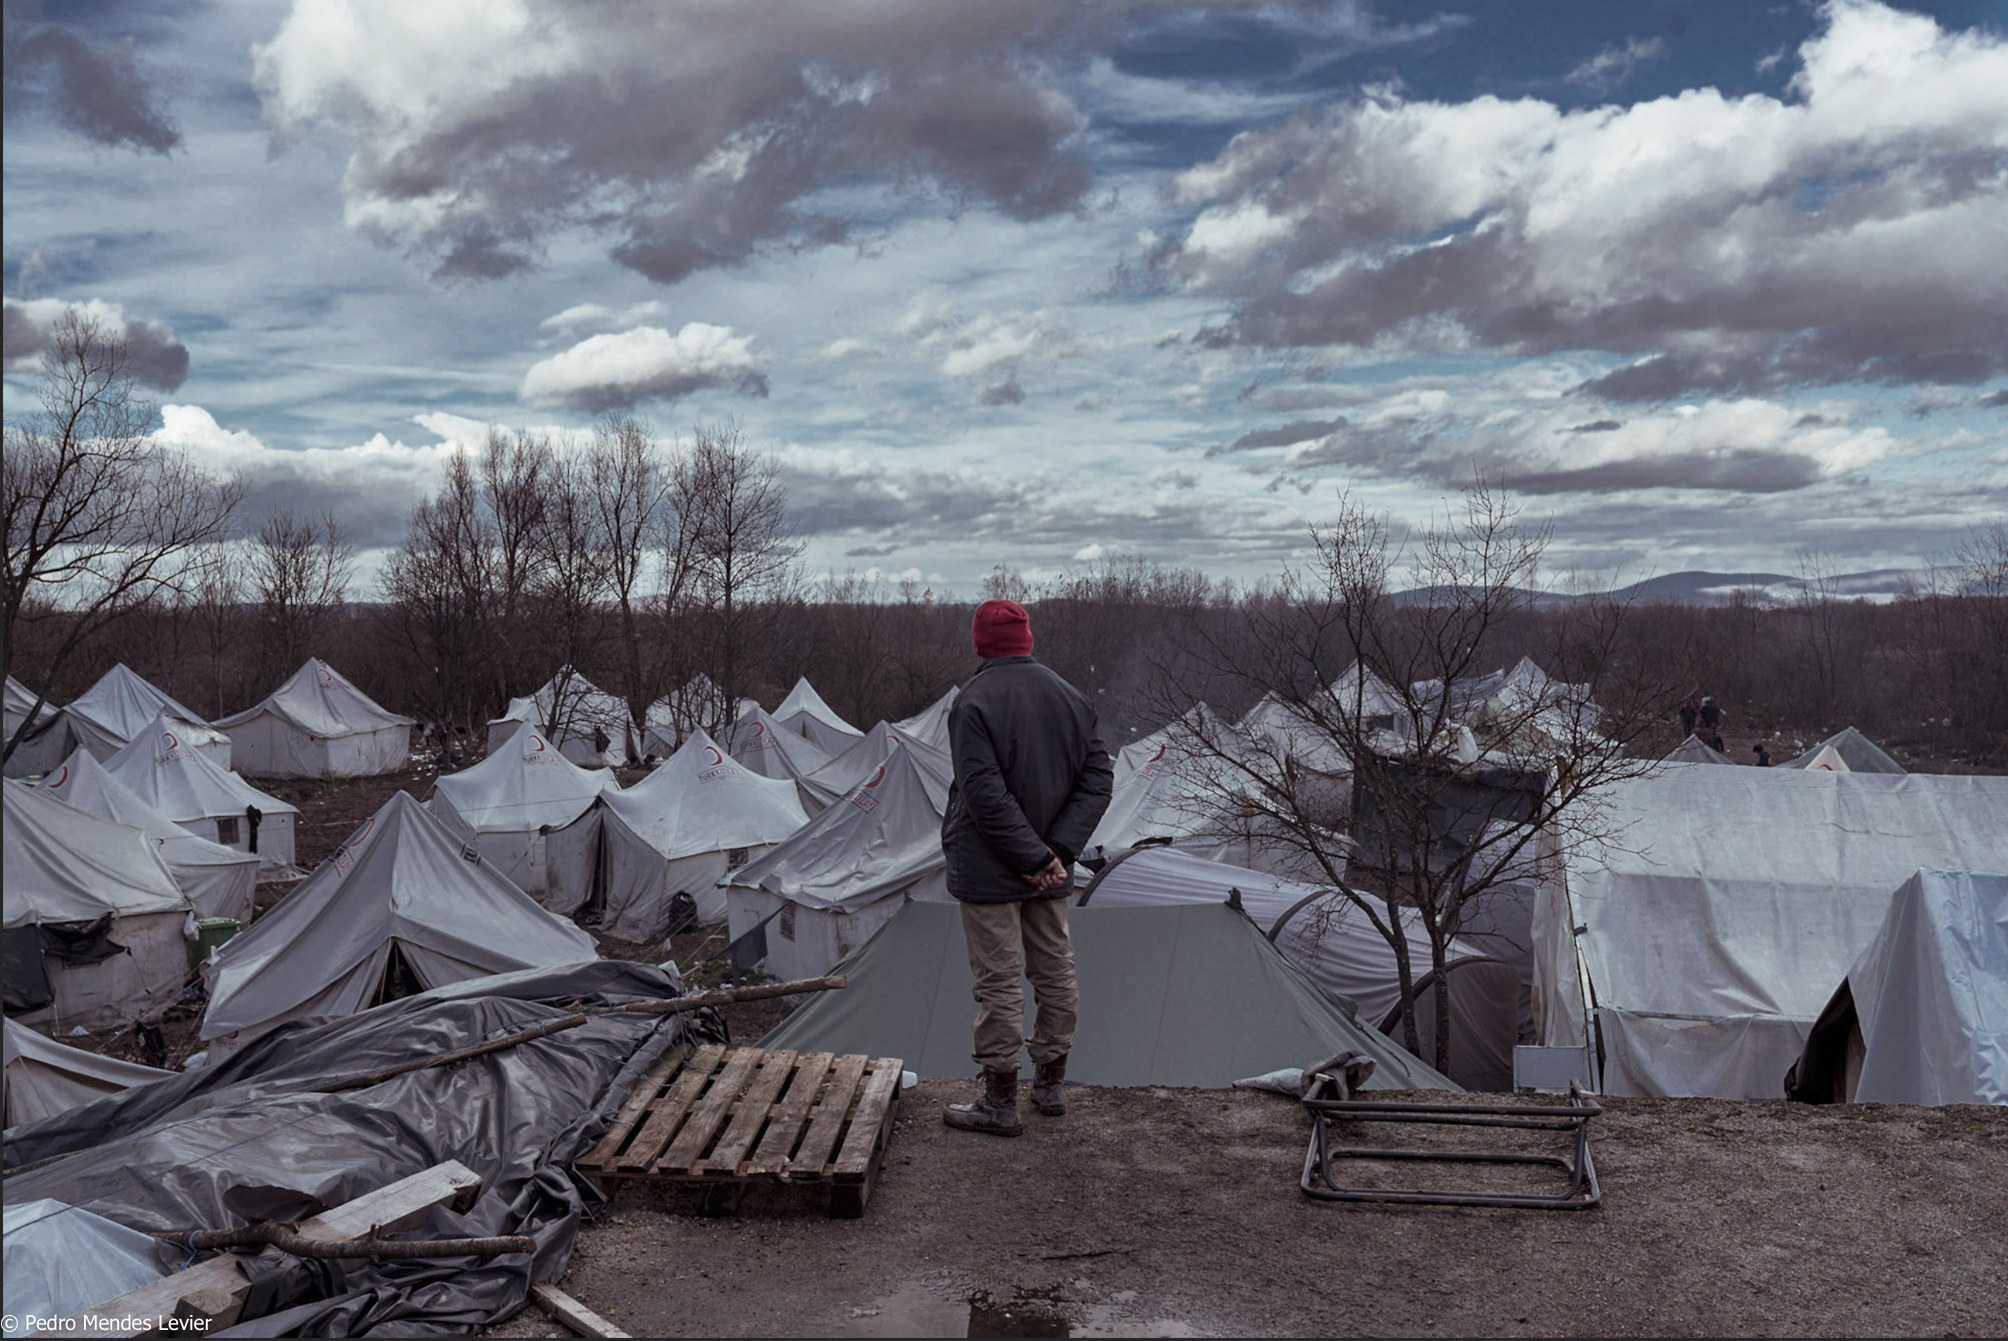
x=1708, y=284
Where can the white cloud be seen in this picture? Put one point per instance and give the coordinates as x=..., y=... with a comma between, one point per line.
x=1613, y=65
x=586, y=315
x=1088, y=553
x=1852, y=232
x=647, y=363
x=850, y=348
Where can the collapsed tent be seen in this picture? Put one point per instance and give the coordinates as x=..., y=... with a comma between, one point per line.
x=1702, y=937
x=400, y=907
x=258, y=1134
x=677, y=831
x=764, y=746
x=805, y=713
x=44, y=1078
x=1286, y=735
x=590, y=726
x=1922, y=1017
x=837, y=880
x=187, y=787
x=1694, y=751
x=507, y=802
x=1846, y=751
x=1190, y=995
x=107, y=716
x=841, y=775
x=1324, y=933
x=318, y=725
x=47, y=740
x=930, y=725
x=93, y=918
x=219, y=881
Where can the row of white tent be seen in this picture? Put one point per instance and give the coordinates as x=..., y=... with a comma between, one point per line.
x=315, y=725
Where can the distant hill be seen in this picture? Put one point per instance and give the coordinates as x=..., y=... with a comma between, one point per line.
x=1703, y=588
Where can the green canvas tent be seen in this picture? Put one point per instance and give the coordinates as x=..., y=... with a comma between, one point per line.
x=1191, y=995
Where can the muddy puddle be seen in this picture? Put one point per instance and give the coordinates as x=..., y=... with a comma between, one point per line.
x=919, y=1310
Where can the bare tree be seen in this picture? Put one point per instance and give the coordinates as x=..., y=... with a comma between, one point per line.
x=1459, y=781
x=516, y=472
x=100, y=518
x=440, y=588
x=216, y=606
x=627, y=482
x=569, y=579
x=299, y=569
x=731, y=505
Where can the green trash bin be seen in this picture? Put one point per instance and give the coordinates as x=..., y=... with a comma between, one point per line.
x=210, y=932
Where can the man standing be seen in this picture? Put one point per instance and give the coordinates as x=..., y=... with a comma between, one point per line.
x=1031, y=783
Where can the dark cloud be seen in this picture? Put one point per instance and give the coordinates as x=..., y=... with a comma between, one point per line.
x=690, y=137
x=1860, y=221
x=1303, y=430
x=1596, y=426
x=155, y=355
x=871, y=551
x=97, y=91
x=1745, y=471
x=1993, y=400
x=1006, y=392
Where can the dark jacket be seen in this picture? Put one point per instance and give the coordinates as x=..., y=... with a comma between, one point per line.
x=1031, y=779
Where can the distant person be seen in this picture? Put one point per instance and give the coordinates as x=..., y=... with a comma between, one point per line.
x=1031, y=782
x=1690, y=712
x=1711, y=715
x=1763, y=755
x=1715, y=743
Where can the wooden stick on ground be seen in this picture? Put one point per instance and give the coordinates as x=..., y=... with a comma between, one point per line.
x=571, y=1312
x=287, y=1238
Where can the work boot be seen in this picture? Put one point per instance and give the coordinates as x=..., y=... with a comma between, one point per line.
x=1049, y=1087
x=996, y=1112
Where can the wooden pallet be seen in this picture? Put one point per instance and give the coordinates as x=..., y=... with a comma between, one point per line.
x=726, y=1118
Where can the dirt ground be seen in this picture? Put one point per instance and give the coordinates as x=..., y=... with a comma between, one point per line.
x=1152, y=1212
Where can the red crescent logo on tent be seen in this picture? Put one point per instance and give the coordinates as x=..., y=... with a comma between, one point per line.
x=877, y=777
x=362, y=834
x=169, y=737
x=327, y=676
x=759, y=728
x=713, y=752
x=1155, y=757
x=61, y=777
x=536, y=742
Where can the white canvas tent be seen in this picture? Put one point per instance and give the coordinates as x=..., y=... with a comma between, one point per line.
x=318, y=725
x=507, y=802
x=805, y=713
x=1323, y=933
x=399, y=899
x=590, y=726
x=1846, y=751
x=67, y=869
x=219, y=881
x=45, y=745
x=762, y=745
x=930, y=725
x=188, y=788
x=1284, y=735
x=1923, y=1015
x=697, y=816
x=44, y=1078
x=840, y=775
x=671, y=718
x=1168, y=788
x=1694, y=751
x=106, y=717
x=837, y=880
x=1706, y=935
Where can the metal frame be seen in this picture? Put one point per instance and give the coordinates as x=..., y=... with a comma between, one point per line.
x=1328, y=1101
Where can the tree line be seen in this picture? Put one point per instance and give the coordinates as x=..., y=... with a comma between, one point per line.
x=646, y=564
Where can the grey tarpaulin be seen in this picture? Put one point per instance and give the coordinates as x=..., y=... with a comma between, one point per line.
x=1188, y=995
x=250, y=1138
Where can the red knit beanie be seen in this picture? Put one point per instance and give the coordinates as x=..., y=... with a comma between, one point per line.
x=1002, y=629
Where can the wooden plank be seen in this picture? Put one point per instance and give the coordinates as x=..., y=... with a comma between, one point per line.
x=571, y=1312
x=868, y=1123
x=669, y=1110
x=152, y=1306
x=828, y=1120
x=634, y=1107
x=709, y=1114
x=770, y=1157
x=745, y=1125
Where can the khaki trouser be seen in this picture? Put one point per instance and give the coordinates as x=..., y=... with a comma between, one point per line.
x=1009, y=942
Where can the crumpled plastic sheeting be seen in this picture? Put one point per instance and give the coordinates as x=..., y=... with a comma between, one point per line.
x=251, y=1139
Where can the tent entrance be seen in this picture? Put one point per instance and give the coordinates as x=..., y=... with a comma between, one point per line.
x=399, y=979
